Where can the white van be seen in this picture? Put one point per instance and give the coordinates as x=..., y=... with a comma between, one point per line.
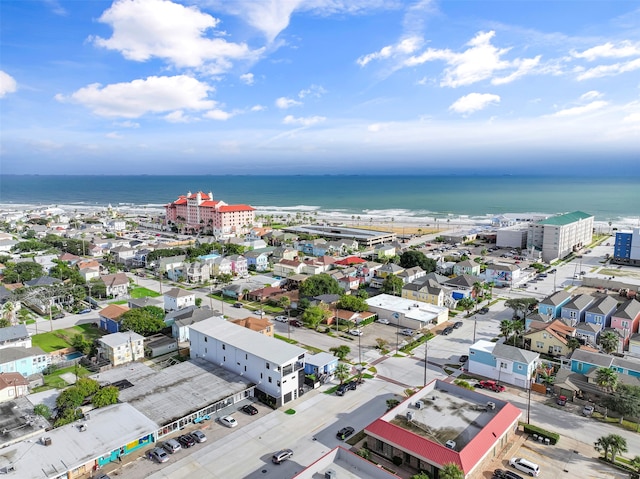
x=525, y=466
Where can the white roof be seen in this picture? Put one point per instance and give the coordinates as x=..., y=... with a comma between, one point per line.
x=114, y=340
x=108, y=428
x=265, y=347
x=483, y=345
x=418, y=311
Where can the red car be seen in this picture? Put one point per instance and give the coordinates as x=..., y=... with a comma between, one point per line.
x=296, y=323
x=492, y=385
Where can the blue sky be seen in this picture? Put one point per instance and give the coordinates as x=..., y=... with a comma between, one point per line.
x=319, y=86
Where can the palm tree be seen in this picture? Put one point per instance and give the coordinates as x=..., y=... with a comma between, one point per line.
x=617, y=444
x=603, y=444
x=635, y=463
x=573, y=344
x=506, y=328
x=450, y=471
x=607, y=379
x=477, y=291
x=609, y=342
x=342, y=371
x=518, y=329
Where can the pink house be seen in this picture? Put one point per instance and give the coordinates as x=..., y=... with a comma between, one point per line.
x=626, y=320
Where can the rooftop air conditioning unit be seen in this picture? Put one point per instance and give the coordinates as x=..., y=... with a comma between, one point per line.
x=409, y=415
x=330, y=474
x=419, y=404
x=491, y=405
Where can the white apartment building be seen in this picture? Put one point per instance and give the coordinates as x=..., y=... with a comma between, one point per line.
x=276, y=367
x=122, y=348
x=176, y=299
x=558, y=236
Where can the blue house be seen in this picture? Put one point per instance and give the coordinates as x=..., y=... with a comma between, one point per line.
x=316, y=247
x=552, y=305
x=259, y=259
x=503, y=363
x=574, y=311
x=26, y=361
x=111, y=316
x=598, y=314
x=322, y=365
x=586, y=362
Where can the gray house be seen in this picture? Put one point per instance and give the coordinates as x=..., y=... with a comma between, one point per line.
x=574, y=311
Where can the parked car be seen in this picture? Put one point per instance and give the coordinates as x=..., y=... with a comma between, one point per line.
x=464, y=358
x=407, y=332
x=525, y=465
x=448, y=330
x=382, y=321
x=159, y=455
x=296, y=323
x=498, y=474
x=228, y=421
x=587, y=410
x=561, y=401
x=345, y=432
x=355, y=332
x=102, y=475
x=484, y=310
x=199, y=436
x=511, y=475
x=457, y=324
x=344, y=387
x=186, y=441
x=250, y=409
x=281, y=456
x=492, y=385
x=84, y=311
x=281, y=319
x=171, y=446
x=58, y=315
x=237, y=305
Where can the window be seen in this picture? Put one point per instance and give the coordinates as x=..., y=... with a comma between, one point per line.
x=539, y=344
x=267, y=366
x=269, y=379
x=206, y=339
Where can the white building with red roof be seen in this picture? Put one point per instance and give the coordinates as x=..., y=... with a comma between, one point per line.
x=442, y=424
x=200, y=212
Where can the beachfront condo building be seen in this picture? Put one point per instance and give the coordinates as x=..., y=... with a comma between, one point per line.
x=199, y=212
x=558, y=236
x=627, y=247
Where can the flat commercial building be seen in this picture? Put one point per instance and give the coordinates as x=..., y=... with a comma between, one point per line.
x=367, y=238
x=560, y=235
x=407, y=313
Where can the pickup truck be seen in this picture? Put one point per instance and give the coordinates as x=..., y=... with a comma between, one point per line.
x=492, y=385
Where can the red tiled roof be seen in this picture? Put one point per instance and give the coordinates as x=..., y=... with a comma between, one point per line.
x=203, y=195
x=350, y=260
x=209, y=203
x=438, y=454
x=113, y=311
x=233, y=208
x=8, y=380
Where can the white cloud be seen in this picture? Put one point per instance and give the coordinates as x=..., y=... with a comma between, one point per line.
x=404, y=47
x=609, y=50
x=114, y=135
x=258, y=108
x=128, y=124
x=591, y=95
x=177, y=116
x=247, y=78
x=314, y=90
x=308, y=121
x=56, y=7
x=523, y=67
x=218, y=114
x=283, y=103
x=139, y=97
x=143, y=29
x=581, y=110
x=632, y=118
x=474, y=102
x=610, y=70
x=7, y=84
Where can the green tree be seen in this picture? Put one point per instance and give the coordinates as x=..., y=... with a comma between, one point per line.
x=412, y=258
x=144, y=321
x=67, y=416
x=320, y=284
x=450, y=471
x=625, y=401
x=518, y=329
x=80, y=343
x=313, y=316
x=520, y=306
x=340, y=352
x=381, y=343
x=198, y=302
x=71, y=398
x=617, y=445
x=609, y=342
x=466, y=304
x=21, y=272
x=87, y=387
x=607, y=379
x=506, y=329
x=105, y=396
x=284, y=302
x=573, y=344
x=352, y=303
x=391, y=403
x=422, y=475
x=42, y=410
x=477, y=291
x=392, y=284
x=342, y=372
x=635, y=463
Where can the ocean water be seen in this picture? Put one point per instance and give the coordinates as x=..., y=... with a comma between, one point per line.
x=608, y=199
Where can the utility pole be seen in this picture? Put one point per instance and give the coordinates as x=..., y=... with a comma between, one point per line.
x=426, y=360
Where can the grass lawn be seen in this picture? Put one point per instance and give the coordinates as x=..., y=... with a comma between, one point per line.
x=61, y=339
x=54, y=381
x=143, y=293
x=123, y=301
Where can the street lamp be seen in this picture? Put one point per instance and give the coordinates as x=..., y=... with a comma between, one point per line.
x=426, y=359
x=475, y=324
x=359, y=344
x=396, y=316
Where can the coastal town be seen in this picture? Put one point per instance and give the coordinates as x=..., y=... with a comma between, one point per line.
x=212, y=341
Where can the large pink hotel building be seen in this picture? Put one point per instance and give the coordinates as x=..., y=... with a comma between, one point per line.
x=199, y=211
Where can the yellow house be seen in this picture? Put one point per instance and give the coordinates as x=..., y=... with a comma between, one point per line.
x=425, y=293
x=122, y=348
x=550, y=338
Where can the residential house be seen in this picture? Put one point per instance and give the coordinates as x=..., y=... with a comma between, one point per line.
x=257, y=233
x=116, y=285
x=259, y=325
x=122, y=254
x=220, y=265
x=384, y=271
x=588, y=333
x=584, y=361
x=258, y=259
x=341, y=247
x=551, y=306
x=575, y=310
x=311, y=267
x=626, y=319
x=24, y=360
x=159, y=345
x=384, y=251
x=239, y=265
x=12, y=386
x=599, y=315
x=550, y=338
x=111, y=317
x=42, y=281
x=276, y=367
x=462, y=286
x=503, y=363
x=122, y=347
x=424, y=291
x=95, y=251
x=350, y=261
x=472, y=449
x=348, y=283
x=467, y=267
x=177, y=298
x=410, y=275
x=322, y=365
x=15, y=337
x=284, y=252
x=503, y=275
x=198, y=272
x=315, y=247
x=177, y=273
x=183, y=320
x=88, y=269
x=266, y=293
x=286, y=267
x=45, y=260
x=134, y=303
x=168, y=263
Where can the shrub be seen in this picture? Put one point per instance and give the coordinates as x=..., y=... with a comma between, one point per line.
x=531, y=429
